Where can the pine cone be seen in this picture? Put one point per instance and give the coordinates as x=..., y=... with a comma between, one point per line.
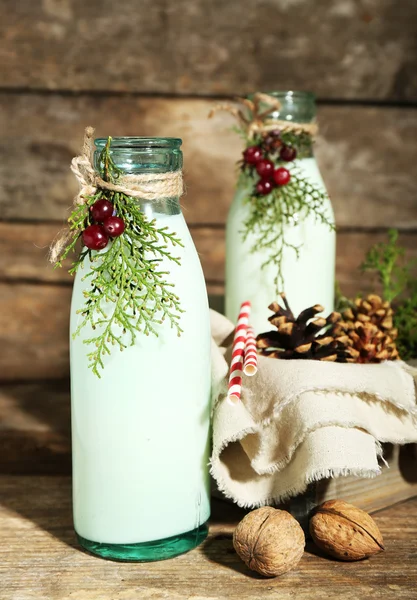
x=301, y=338
x=371, y=310
x=367, y=342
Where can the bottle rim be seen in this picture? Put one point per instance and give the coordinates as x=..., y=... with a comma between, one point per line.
x=292, y=95
x=137, y=142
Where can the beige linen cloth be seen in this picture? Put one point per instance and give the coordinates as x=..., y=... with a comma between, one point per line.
x=299, y=421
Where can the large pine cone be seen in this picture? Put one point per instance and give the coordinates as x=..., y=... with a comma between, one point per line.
x=369, y=343
x=301, y=338
x=371, y=309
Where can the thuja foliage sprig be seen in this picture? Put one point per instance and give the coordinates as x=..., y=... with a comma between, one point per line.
x=278, y=197
x=386, y=259
x=397, y=276
x=129, y=291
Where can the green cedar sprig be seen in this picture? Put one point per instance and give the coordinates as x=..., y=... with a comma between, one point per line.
x=284, y=206
x=129, y=292
x=399, y=286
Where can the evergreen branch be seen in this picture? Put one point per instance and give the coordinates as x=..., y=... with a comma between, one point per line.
x=270, y=214
x=386, y=260
x=128, y=290
x=399, y=286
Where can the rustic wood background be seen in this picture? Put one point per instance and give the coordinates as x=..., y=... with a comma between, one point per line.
x=151, y=67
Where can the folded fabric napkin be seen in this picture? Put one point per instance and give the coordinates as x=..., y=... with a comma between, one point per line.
x=299, y=421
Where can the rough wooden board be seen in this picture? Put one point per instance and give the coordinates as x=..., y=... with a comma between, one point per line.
x=396, y=483
x=34, y=316
x=23, y=254
x=34, y=321
x=337, y=48
x=40, y=560
x=367, y=155
x=35, y=428
x=350, y=253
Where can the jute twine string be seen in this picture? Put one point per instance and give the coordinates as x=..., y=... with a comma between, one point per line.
x=259, y=120
x=145, y=186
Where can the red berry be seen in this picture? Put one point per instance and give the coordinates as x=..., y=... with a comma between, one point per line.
x=281, y=176
x=265, y=168
x=114, y=226
x=94, y=237
x=265, y=186
x=288, y=153
x=101, y=210
x=252, y=155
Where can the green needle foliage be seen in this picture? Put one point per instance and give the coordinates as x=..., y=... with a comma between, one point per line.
x=129, y=292
x=399, y=286
x=285, y=206
x=387, y=261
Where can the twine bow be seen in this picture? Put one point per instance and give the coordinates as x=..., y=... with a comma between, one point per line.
x=260, y=121
x=145, y=186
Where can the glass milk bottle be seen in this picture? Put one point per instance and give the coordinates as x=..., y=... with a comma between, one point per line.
x=140, y=433
x=308, y=272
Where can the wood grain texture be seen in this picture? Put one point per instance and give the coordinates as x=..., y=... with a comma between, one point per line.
x=34, y=322
x=367, y=155
x=337, y=48
x=396, y=483
x=39, y=558
x=35, y=435
x=24, y=248
x=24, y=253
x=35, y=299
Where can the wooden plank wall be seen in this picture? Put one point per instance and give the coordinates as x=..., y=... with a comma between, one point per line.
x=150, y=67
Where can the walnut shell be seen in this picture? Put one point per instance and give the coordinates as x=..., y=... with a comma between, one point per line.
x=269, y=541
x=344, y=531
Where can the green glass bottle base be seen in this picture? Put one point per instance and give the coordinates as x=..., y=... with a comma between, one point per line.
x=148, y=551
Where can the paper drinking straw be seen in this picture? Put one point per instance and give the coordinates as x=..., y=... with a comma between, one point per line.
x=250, y=365
x=238, y=351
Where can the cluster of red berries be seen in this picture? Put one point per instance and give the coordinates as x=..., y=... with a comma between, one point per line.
x=270, y=177
x=107, y=225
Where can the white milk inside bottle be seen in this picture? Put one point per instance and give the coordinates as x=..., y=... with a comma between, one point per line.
x=307, y=279
x=141, y=432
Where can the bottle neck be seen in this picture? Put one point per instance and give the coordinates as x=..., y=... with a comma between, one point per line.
x=298, y=108
x=138, y=157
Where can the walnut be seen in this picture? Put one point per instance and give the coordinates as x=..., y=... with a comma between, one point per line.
x=344, y=531
x=269, y=541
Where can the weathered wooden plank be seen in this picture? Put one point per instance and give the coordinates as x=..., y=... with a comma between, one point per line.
x=212, y=47
x=34, y=321
x=35, y=428
x=351, y=250
x=34, y=317
x=367, y=155
x=396, y=483
x=52, y=565
x=23, y=254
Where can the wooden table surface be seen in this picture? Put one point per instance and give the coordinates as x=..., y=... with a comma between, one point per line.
x=40, y=559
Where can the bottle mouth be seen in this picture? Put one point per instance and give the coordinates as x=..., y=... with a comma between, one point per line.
x=134, y=142
x=293, y=95
x=298, y=106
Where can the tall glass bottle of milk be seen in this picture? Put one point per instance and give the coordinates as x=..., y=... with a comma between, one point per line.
x=140, y=433
x=307, y=262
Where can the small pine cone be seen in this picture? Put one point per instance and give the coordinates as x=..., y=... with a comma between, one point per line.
x=367, y=343
x=372, y=309
x=305, y=337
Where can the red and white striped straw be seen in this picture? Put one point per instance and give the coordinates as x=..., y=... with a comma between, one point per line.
x=238, y=352
x=250, y=366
